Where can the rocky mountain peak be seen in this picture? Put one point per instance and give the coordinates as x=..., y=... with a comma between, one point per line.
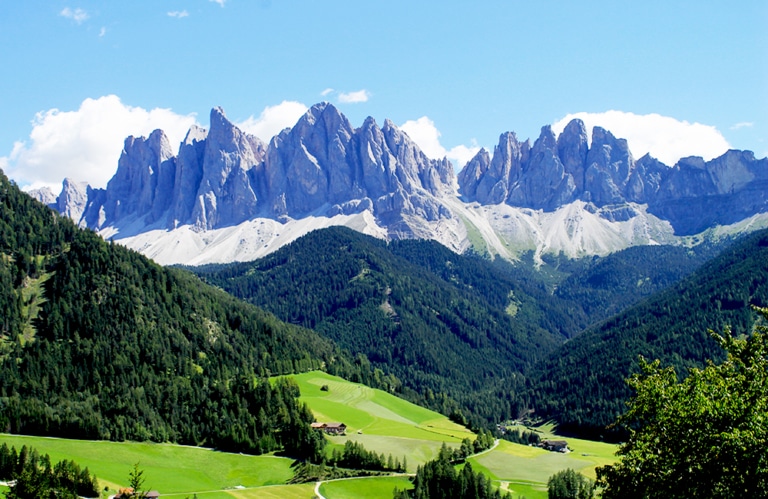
x=44, y=194
x=572, y=148
x=73, y=199
x=323, y=167
x=143, y=180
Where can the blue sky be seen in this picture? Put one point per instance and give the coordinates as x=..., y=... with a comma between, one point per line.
x=79, y=76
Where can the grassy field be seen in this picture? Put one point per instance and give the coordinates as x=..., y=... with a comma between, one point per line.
x=304, y=491
x=364, y=487
x=379, y=420
x=525, y=470
x=170, y=469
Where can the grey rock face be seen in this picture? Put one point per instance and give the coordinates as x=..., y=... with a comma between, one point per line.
x=224, y=176
x=225, y=195
x=696, y=194
x=309, y=163
x=144, y=180
x=608, y=167
x=572, y=150
x=189, y=173
x=543, y=182
x=45, y=195
x=73, y=200
x=323, y=160
x=692, y=195
x=324, y=166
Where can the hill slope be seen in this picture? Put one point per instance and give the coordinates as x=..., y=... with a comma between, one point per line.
x=98, y=342
x=582, y=384
x=444, y=324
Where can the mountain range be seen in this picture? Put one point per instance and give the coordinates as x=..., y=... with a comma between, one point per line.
x=466, y=334
x=225, y=195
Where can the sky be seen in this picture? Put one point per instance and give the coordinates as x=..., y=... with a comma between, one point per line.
x=675, y=78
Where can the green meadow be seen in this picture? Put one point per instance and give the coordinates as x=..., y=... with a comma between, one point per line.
x=379, y=420
x=169, y=469
x=382, y=487
x=525, y=470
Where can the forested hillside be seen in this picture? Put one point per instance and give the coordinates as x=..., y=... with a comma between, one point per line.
x=582, y=384
x=447, y=325
x=603, y=287
x=98, y=342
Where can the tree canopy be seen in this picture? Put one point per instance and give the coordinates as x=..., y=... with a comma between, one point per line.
x=569, y=484
x=703, y=436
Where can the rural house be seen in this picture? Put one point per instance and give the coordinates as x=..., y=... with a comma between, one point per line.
x=555, y=445
x=331, y=428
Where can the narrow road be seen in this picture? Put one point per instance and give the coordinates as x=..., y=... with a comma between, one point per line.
x=489, y=449
x=318, y=495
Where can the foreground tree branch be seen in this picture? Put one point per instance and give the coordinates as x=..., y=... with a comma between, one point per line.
x=704, y=436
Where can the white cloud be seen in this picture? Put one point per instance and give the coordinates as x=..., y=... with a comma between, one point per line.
x=102, y=32
x=327, y=91
x=85, y=144
x=78, y=15
x=178, y=14
x=220, y=2
x=354, y=97
x=743, y=124
x=426, y=135
x=461, y=154
x=273, y=119
x=665, y=138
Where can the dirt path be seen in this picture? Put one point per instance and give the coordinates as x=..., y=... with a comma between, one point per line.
x=486, y=451
x=318, y=495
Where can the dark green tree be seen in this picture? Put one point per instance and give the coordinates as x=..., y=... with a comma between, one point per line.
x=704, y=436
x=136, y=482
x=439, y=479
x=569, y=484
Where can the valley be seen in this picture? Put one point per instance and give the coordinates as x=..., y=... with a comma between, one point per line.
x=374, y=324
x=378, y=420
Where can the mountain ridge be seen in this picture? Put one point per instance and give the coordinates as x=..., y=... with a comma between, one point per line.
x=559, y=194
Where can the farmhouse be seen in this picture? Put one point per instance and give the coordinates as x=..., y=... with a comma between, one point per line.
x=555, y=445
x=331, y=428
x=128, y=492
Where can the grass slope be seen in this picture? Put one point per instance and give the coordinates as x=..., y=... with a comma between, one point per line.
x=525, y=470
x=364, y=487
x=170, y=469
x=379, y=420
x=388, y=425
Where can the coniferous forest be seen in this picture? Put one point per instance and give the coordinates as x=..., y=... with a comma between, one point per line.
x=465, y=335
x=582, y=384
x=98, y=342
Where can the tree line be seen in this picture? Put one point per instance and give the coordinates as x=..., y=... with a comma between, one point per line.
x=33, y=476
x=98, y=342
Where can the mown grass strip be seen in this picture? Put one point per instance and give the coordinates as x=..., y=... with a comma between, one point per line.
x=364, y=488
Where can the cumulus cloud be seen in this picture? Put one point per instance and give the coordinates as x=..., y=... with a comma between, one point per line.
x=102, y=32
x=665, y=138
x=354, y=97
x=85, y=144
x=426, y=135
x=273, y=119
x=327, y=91
x=78, y=15
x=178, y=14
